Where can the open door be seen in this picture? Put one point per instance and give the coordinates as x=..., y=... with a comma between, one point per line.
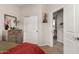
x=71, y=29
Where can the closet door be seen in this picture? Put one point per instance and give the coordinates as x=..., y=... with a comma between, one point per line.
x=31, y=29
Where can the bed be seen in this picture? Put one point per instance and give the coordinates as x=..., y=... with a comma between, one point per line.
x=24, y=48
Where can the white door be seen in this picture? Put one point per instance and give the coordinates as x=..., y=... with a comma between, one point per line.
x=69, y=29
x=77, y=28
x=31, y=29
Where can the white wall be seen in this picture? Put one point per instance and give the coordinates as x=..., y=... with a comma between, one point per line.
x=10, y=10
x=47, y=27
x=35, y=10
x=28, y=10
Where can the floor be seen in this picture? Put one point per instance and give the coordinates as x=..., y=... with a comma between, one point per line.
x=4, y=45
x=56, y=49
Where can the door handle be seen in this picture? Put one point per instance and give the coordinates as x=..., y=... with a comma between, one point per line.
x=77, y=38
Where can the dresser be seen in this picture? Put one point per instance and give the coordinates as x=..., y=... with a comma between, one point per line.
x=15, y=36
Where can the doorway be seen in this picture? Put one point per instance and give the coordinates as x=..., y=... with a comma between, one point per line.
x=58, y=29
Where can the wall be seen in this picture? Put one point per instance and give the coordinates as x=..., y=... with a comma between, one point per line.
x=10, y=10
x=47, y=27
x=29, y=10
x=44, y=29
x=34, y=10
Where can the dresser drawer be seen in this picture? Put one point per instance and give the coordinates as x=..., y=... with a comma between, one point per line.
x=15, y=36
x=12, y=39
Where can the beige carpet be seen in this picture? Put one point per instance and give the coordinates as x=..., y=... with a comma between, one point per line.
x=6, y=45
x=56, y=49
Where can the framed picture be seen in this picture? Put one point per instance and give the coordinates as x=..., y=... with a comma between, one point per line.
x=10, y=22
x=45, y=17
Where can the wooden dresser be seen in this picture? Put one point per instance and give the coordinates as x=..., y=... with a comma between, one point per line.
x=15, y=36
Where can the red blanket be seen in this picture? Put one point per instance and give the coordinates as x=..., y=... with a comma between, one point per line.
x=25, y=48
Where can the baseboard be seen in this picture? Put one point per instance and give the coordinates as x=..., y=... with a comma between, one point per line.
x=60, y=41
x=45, y=45
x=42, y=44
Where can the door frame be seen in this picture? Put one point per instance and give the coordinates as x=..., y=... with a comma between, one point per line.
x=56, y=20
x=55, y=10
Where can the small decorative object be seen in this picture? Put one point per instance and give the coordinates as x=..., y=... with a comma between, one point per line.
x=12, y=28
x=10, y=22
x=45, y=18
x=6, y=26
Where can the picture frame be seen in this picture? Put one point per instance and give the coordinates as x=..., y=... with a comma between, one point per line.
x=10, y=22
x=45, y=17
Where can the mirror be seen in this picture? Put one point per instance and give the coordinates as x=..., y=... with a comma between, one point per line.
x=10, y=22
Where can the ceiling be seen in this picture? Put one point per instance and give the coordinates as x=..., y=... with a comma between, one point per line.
x=21, y=5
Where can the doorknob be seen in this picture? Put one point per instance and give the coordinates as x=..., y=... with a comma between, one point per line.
x=77, y=38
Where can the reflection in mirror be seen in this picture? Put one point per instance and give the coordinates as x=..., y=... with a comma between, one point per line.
x=54, y=24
